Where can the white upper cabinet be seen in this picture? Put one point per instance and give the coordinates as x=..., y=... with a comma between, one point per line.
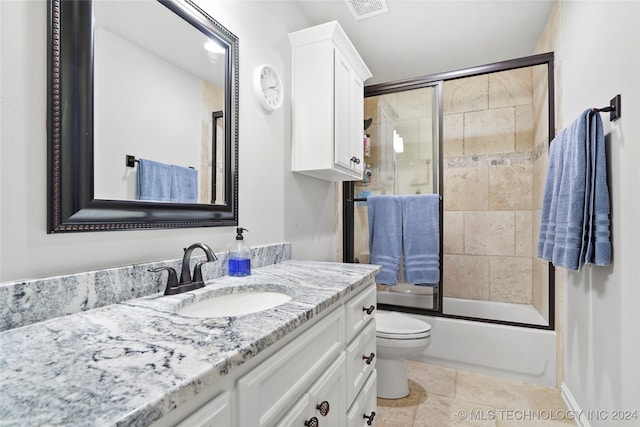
x=328, y=91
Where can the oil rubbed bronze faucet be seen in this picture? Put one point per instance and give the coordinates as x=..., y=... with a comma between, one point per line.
x=186, y=283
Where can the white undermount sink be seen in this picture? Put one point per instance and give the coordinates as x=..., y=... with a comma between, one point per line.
x=245, y=301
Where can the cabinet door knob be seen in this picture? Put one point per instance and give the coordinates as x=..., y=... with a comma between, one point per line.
x=369, y=310
x=313, y=422
x=355, y=160
x=369, y=418
x=323, y=408
x=368, y=359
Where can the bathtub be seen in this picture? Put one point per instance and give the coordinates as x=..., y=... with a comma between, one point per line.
x=514, y=352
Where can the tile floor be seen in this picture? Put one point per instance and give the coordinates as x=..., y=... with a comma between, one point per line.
x=441, y=397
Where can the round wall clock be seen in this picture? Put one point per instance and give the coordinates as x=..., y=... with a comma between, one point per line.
x=268, y=87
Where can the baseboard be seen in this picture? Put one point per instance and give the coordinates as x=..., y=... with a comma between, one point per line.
x=573, y=406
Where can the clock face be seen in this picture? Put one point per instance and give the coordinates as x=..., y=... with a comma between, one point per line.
x=268, y=87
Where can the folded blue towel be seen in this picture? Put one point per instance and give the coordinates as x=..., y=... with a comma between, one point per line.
x=576, y=197
x=385, y=236
x=153, y=181
x=598, y=250
x=184, y=184
x=421, y=238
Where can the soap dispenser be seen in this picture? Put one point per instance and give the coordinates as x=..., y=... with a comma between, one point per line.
x=239, y=256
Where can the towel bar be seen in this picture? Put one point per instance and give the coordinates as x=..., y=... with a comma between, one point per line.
x=614, y=108
x=131, y=161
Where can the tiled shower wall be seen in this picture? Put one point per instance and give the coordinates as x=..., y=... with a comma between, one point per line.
x=491, y=180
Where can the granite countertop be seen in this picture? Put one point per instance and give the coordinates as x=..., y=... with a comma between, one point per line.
x=131, y=363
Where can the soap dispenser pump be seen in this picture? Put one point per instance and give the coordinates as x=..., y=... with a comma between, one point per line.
x=239, y=256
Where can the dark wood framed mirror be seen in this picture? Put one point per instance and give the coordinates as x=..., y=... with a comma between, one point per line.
x=82, y=133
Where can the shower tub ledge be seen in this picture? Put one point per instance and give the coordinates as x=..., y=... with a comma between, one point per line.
x=518, y=353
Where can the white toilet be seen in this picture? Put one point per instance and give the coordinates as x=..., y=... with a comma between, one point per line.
x=398, y=337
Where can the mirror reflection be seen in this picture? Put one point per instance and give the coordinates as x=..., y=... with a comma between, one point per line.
x=134, y=84
x=159, y=92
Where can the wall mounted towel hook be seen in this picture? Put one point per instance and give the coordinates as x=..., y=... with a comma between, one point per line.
x=614, y=109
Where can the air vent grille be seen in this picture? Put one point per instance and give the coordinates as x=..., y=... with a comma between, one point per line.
x=361, y=9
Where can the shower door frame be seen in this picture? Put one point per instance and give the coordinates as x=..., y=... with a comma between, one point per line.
x=348, y=189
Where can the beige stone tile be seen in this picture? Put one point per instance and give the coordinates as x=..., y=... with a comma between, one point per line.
x=510, y=187
x=539, y=178
x=540, y=287
x=510, y=88
x=524, y=128
x=434, y=379
x=545, y=408
x=510, y=279
x=400, y=412
x=441, y=411
x=466, y=276
x=414, y=104
x=434, y=412
x=466, y=189
x=466, y=413
x=389, y=416
x=371, y=108
x=545, y=398
x=524, y=229
x=453, y=135
x=467, y=94
x=489, y=131
x=417, y=395
x=536, y=216
x=523, y=419
x=426, y=139
x=491, y=391
x=453, y=232
x=489, y=233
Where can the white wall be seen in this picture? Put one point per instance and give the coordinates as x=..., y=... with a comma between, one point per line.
x=275, y=204
x=601, y=58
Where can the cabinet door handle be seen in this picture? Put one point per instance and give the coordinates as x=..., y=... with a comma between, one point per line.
x=323, y=408
x=355, y=160
x=313, y=422
x=369, y=418
x=369, y=310
x=368, y=359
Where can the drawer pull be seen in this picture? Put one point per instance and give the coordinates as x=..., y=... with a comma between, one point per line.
x=313, y=422
x=368, y=359
x=323, y=408
x=355, y=160
x=370, y=418
x=369, y=310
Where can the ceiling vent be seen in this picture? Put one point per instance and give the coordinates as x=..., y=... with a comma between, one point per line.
x=361, y=9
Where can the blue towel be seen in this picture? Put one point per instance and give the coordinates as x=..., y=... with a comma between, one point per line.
x=598, y=250
x=184, y=184
x=575, y=189
x=153, y=181
x=421, y=238
x=385, y=236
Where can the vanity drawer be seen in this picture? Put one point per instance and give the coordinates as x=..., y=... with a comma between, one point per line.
x=359, y=352
x=360, y=310
x=363, y=411
x=265, y=393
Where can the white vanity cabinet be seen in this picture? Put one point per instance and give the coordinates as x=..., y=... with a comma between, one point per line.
x=327, y=104
x=323, y=377
x=217, y=412
x=271, y=388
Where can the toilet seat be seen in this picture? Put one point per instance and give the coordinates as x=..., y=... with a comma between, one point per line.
x=400, y=327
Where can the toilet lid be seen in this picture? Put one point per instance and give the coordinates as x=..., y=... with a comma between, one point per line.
x=399, y=326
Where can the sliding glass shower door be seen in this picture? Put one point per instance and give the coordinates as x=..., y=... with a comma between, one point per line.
x=479, y=138
x=401, y=146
